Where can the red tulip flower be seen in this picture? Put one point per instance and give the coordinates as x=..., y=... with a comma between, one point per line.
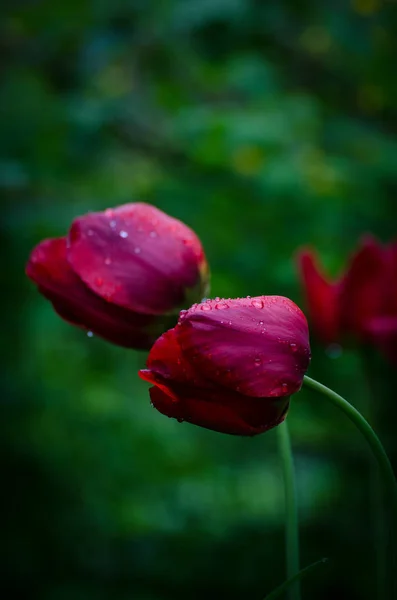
x=231, y=365
x=361, y=304
x=123, y=274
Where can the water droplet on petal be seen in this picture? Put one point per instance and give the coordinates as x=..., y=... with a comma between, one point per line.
x=108, y=261
x=112, y=224
x=205, y=306
x=123, y=234
x=257, y=303
x=179, y=419
x=153, y=234
x=294, y=347
x=261, y=322
x=90, y=334
x=284, y=387
x=90, y=232
x=258, y=361
x=217, y=299
x=221, y=306
x=109, y=212
x=137, y=250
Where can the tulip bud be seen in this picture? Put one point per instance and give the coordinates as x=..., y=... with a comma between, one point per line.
x=231, y=365
x=123, y=273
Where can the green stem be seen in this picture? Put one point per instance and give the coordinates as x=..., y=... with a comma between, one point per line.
x=352, y=413
x=299, y=576
x=291, y=509
x=385, y=468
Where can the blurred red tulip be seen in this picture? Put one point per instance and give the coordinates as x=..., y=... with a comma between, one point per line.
x=123, y=273
x=361, y=304
x=231, y=365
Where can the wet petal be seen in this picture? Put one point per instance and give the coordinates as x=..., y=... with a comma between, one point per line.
x=166, y=362
x=225, y=412
x=137, y=257
x=255, y=346
x=50, y=270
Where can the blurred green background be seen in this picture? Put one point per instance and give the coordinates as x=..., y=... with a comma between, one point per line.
x=265, y=126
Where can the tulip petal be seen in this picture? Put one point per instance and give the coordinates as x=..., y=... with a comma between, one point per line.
x=256, y=346
x=363, y=287
x=321, y=298
x=226, y=413
x=166, y=362
x=136, y=257
x=50, y=270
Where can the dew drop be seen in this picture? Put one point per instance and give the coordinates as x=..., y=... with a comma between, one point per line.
x=153, y=234
x=258, y=362
x=90, y=334
x=90, y=232
x=217, y=299
x=261, y=322
x=179, y=419
x=109, y=212
x=294, y=347
x=108, y=261
x=123, y=234
x=137, y=250
x=284, y=387
x=257, y=303
x=112, y=224
x=221, y=306
x=205, y=306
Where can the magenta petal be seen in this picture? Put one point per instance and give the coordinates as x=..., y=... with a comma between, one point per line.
x=362, y=289
x=321, y=298
x=136, y=257
x=167, y=362
x=225, y=412
x=256, y=346
x=73, y=301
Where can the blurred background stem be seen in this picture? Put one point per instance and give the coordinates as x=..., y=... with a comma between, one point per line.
x=385, y=470
x=376, y=499
x=291, y=510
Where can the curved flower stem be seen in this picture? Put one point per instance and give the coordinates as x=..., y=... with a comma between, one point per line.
x=291, y=509
x=286, y=584
x=385, y=468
